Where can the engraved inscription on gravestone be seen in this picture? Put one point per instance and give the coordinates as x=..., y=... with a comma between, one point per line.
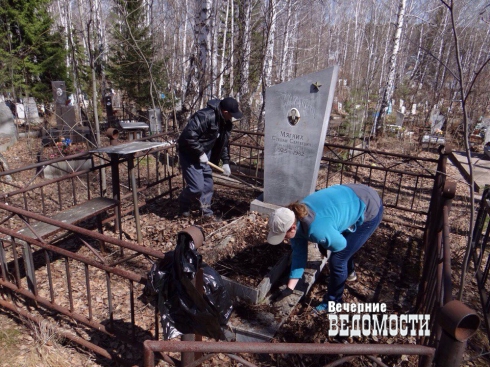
x=296, y=122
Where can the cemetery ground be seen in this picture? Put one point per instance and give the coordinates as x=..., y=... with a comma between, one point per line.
x=388, y=269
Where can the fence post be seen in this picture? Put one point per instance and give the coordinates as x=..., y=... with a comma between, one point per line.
x=458, y=323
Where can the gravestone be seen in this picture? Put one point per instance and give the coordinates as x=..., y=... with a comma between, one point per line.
x=21, y=113
x=59, y=92
x=296, y=122
x=109, y=110
x=436, y=120
x=414, y=109
x=31, y=109
x=155, y=117
x=60, y=97
x=8, y=132
x=399, y=118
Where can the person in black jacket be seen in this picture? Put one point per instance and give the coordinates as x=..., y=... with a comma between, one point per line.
x=205, y=138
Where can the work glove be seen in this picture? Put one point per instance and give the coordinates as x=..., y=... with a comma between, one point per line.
x=280, y=295
x=226, y=169
x=203, y=158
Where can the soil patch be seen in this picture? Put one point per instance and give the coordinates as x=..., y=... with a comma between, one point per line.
x=251, y=265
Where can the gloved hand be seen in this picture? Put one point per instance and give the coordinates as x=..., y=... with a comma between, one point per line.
x=203, y=158
x=226, y=170
x=280, y=295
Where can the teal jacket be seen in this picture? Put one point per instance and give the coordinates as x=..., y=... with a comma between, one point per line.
x=332, y=211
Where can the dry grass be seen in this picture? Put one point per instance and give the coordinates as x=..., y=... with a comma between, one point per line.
x=26, y=343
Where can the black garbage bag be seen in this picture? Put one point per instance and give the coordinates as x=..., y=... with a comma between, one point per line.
x=183, y=310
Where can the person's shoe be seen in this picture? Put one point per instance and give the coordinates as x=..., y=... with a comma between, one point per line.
x=321, y=308
x=352, y=277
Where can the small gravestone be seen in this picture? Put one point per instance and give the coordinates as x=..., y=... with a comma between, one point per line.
x=8, y=133
x=155, y=117
x=31, y=110
x=436, y=120
x=414, y=109
x=399, y=118
x=296, y=122
x=20, y=109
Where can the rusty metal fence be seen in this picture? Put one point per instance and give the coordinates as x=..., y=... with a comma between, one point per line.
x=227, y=352
x=417, y=192
x=84, y=281
x=481, y=256
x=414, y=189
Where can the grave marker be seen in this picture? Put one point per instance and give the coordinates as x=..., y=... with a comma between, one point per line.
x=8, y=131
x=296, y=116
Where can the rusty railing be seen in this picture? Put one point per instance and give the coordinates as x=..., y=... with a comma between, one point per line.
x=481, y=256
x=78, y=278
x=416, y=186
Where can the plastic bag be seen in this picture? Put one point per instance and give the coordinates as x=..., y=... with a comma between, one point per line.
x=183, y=310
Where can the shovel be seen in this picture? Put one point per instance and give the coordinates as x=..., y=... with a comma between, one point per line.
x=220, y=170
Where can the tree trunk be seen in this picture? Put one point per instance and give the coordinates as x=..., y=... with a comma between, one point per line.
x=245, y=48
x=204, y=30
x=223, y=50
x=285, y=43
x=390, y=84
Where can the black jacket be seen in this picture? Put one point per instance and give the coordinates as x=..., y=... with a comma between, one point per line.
x=207, y=131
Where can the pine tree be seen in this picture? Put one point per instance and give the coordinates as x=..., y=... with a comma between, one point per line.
x=32, y=53
x=131, y=57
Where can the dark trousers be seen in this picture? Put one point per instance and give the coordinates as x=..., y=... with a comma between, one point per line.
x=341, y=263
x=199, y=185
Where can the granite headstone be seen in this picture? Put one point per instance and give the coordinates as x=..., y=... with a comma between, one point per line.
x=296, y=122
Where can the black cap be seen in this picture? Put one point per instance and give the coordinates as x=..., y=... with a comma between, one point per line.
x=231, y=105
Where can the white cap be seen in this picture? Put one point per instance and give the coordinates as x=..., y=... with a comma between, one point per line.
x=280, y=221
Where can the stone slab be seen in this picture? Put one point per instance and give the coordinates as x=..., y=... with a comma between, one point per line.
x=258, y=205
x=296, y=122
x=63, y=168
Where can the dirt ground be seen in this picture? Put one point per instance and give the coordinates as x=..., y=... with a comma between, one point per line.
x=388, y=269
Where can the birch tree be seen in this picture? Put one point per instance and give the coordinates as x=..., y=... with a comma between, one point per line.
x=270, y=32
x=286, y=36
x=222, y=63
x=390, y=83
x=244, y=51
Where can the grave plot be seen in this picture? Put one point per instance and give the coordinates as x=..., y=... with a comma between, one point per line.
x=241, y=255
x=253, y=270
x=60, y=149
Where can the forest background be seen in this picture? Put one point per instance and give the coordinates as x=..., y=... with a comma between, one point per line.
x=176, y=55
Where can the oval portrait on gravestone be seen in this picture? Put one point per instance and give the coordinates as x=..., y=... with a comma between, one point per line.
x=293, y=116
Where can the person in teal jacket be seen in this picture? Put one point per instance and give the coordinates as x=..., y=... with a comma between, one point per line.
x=340, y=219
